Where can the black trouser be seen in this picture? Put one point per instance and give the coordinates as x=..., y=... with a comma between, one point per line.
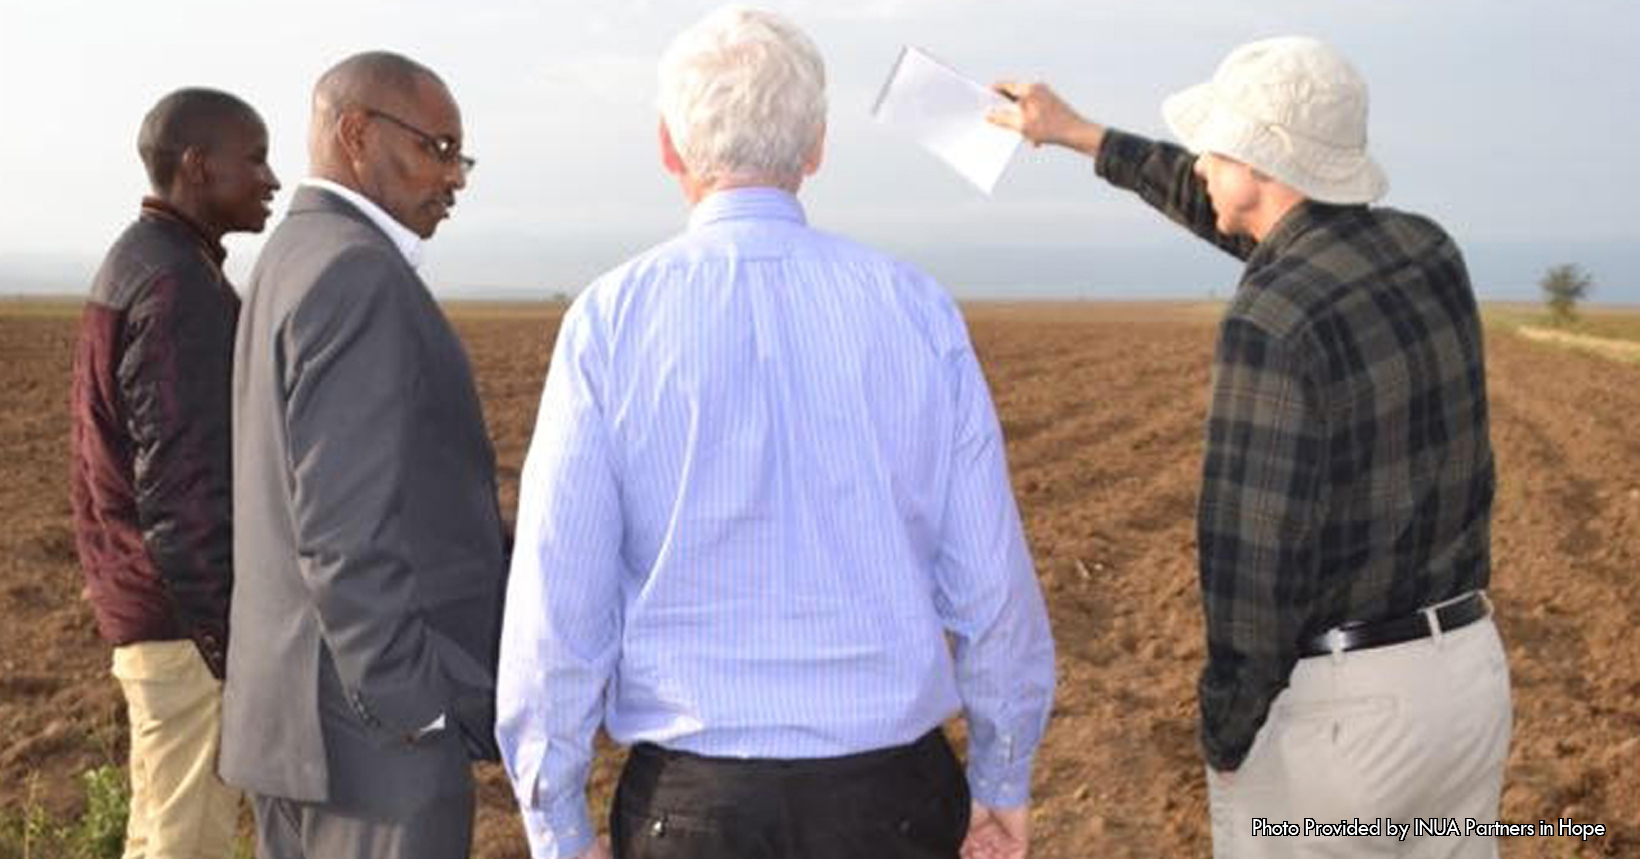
x=909, y=801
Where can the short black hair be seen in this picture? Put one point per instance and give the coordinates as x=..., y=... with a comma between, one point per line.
x=194, y=116
x=364, y=79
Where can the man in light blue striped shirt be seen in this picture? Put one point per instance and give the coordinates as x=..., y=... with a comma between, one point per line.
x=766, y=534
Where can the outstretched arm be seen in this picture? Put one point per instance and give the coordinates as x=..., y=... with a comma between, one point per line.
x=1041, y=116
x=1161, y=173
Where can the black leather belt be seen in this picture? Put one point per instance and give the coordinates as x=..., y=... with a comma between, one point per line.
x=1359, y=635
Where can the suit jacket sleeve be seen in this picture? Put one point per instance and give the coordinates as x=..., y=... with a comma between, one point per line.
x=174, y=378
x=351, y=365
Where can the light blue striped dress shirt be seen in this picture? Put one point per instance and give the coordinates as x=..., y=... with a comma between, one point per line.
x=767, y=481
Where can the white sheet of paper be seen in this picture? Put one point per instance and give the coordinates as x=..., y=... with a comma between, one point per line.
x=945, y=112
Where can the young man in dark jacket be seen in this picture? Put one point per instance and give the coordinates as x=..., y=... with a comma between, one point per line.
x=151, y=459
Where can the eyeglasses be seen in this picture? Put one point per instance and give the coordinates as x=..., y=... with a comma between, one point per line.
x=446, y=149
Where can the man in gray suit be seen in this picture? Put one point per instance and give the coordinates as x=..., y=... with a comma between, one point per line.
x=366, y=531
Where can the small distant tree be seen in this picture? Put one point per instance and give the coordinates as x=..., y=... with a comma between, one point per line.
x=1563, y=287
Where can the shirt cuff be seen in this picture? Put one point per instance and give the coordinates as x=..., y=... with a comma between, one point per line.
x=558, y=832
x=1234, y=707
x=998, y=783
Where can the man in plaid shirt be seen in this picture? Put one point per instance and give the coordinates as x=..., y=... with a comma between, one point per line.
x=1353, y=670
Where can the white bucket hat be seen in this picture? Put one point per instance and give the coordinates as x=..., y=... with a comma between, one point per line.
x=1291, y=107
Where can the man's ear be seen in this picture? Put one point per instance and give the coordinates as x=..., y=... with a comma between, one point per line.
x=191, y=169
x=817, y=153
x=350, y=131
x=670, y=159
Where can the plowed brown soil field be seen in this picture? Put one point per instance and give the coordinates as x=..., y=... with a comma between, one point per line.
x=1103, y=407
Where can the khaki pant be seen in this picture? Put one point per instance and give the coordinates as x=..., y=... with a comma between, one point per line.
x=1412, y=731
x=180, y=809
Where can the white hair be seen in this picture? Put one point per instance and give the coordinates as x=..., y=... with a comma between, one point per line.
x=743, y=95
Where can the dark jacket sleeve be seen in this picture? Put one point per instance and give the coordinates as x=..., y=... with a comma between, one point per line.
x=352, y=367
x=1258, y=529
x=1164, y=176
x=175, y=376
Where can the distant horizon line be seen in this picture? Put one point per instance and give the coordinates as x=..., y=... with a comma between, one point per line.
x=522, y=296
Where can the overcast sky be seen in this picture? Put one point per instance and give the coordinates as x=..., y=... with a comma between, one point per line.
x=1514, y=122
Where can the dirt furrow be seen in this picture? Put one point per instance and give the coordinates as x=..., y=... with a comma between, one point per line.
x=1102, y=407
x=1565, y=548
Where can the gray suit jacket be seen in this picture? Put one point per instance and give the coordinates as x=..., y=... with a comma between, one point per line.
x=366, y=528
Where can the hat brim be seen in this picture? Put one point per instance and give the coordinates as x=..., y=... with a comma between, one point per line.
x=1186, y=112
x=1199, y=120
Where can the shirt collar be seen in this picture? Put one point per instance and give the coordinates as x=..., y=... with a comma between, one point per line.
x=408, y=243
x=750, y=203
x=1300, y=219
x=155, y=207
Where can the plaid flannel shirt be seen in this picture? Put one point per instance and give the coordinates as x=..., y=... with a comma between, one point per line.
x=1348, y=472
